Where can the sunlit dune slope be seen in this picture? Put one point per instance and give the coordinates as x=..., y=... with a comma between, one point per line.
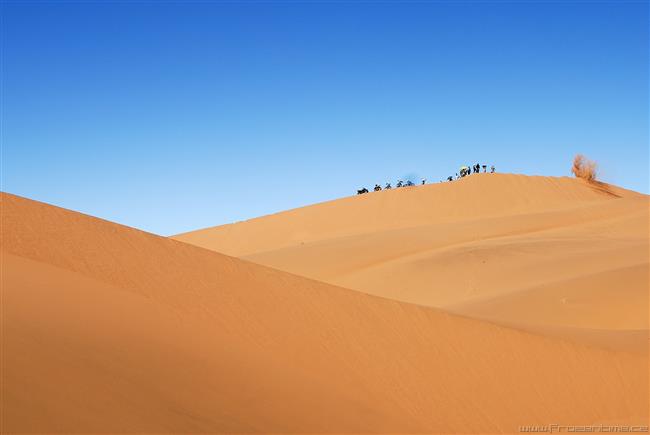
x=110, y=329
x=477, y=196
x=533, y=251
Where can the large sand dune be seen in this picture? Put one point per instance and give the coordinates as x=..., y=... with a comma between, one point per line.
x=556, y=255
x=110, y=329
x=476, y=197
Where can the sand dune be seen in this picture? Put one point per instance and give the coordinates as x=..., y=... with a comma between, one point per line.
x=110, y=329
x=478, y=196
x=529, y=252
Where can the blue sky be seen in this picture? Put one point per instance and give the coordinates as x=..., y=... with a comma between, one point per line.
x=175, y=116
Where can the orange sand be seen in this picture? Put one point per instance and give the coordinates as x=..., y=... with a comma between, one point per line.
x=109, y=329
x=538, y=253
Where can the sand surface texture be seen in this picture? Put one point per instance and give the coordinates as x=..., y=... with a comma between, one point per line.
x=110, y=329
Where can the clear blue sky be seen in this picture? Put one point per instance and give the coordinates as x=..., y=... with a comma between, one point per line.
x=176, y=116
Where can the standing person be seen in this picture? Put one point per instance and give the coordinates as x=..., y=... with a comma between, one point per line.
x=424, y=181
x=492, y=169
x=484, y=169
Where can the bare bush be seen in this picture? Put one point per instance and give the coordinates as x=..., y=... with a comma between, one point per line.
x=584, y=168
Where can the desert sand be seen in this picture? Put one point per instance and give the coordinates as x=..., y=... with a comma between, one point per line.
x=542, y=253
x=468, y=307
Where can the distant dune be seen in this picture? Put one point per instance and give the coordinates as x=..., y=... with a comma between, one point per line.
x=478, y=196
x=539, y=253
x=109, y=329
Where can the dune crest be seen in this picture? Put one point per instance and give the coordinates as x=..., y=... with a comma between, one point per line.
x=475, y=197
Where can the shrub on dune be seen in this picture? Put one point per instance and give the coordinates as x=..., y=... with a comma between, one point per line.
x=584, y=168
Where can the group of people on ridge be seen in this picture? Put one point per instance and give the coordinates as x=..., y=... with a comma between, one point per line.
x=464, y=171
